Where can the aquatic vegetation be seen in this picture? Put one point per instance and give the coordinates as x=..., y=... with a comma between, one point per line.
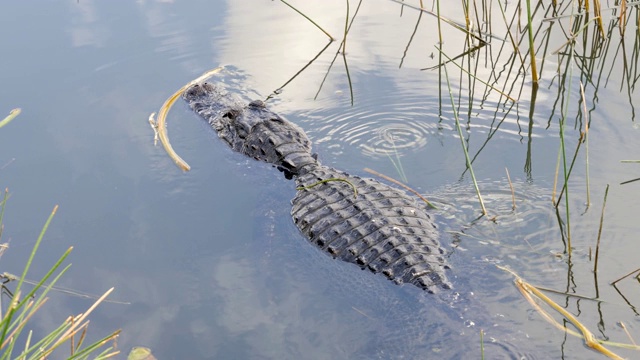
x=16, y=341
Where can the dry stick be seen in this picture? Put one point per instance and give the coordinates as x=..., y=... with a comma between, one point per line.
x=12, y=114
x=604, y=203
x=623, y=15
x=588, y=336
x=82, y=317
x=527, y=290
x=597, y=11
x=625, y=276
x=82, y=336
x=306, y=17
x=161, y=128
x=370, y=171
x=513, y=193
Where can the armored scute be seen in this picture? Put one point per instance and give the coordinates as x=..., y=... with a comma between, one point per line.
x=361, y=221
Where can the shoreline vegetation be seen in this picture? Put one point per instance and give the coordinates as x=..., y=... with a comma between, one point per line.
x=17, y=340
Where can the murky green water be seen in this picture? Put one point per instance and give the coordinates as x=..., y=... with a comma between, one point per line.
x=210, y=259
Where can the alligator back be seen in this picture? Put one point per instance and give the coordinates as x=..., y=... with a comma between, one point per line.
x=361, y=221
x=252, y=129
x=373, y=225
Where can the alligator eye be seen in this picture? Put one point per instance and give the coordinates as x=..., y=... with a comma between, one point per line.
x=257, y=104
x=229, y=115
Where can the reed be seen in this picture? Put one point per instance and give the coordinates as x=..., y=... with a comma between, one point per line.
x=481, y=344
x=586, y=143
x=464, y=148
x=532, y=50
x=344, y=51
x=309, y=19
x=22, y=310
x=604, y=204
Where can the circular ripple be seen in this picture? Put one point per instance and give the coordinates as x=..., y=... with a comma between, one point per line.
x=381, y=129
x=394, y=139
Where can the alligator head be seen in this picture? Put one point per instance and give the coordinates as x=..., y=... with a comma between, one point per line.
x=252, y=129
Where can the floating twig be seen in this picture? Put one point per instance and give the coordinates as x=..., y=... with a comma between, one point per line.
x=160, y=127
x=528, y=291
x=12, y=114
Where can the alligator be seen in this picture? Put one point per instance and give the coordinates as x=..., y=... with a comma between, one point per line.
x=357, y=220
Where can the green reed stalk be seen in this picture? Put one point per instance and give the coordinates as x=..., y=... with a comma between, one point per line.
x=604, y=203
x=566, y=183
x=464, y=148
x=344, y=52
x=586, y=142
x=309, y=19
x=532, y=52
x=440, y=42
x=481, y=344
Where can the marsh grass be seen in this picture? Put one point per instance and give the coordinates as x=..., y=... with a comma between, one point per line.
x=17, y=342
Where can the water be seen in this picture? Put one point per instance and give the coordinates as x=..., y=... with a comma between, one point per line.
x=210, y=260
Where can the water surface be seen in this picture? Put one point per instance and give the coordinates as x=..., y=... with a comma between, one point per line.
x=210, y=259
